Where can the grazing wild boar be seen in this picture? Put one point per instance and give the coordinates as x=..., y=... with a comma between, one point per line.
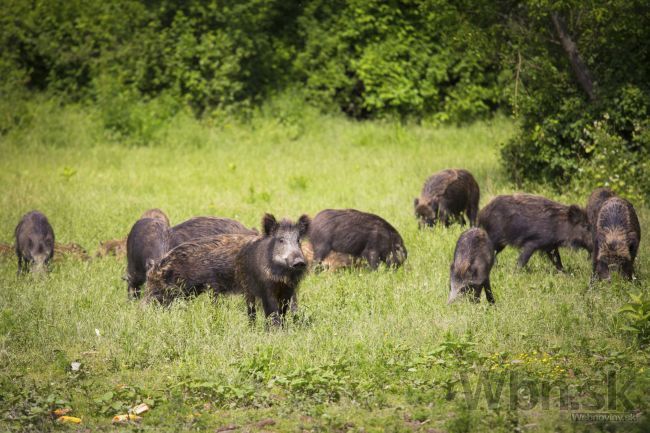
x=34, y=242
x=470, y=270
x=195, y=266
x=616, y=240
x=535, y=223
x=445, y=196
x=156, y=214
x=200, y=227
x=358, y=234
x=147, y=243
x=596, y=200
x=270, y=267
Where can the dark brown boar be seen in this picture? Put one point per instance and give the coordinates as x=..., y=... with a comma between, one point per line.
x=617, y=238
x=596, y=200
x=71, y=249
x=200, y=227
x=535, y=223
x=34, y=242
x=195, y=266
x=358, y=234
x=156, y=214
x=112, y=247
x=470, y=270
x=270, y=267
x=147, y=243
x=445, y=196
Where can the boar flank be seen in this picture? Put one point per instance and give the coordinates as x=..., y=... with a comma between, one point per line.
x=34, y=242
x=200, y=227
x=470, y=270
x=195, y=266
x=446, y=195
x=535, y=223
x=617, y=238
x=357, y=234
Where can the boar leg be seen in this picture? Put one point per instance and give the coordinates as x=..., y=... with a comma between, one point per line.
x=20, y=265
x=488, y=292
x=526, y=252
x=320, y=252
x=477, y=294
x=472, y=215
x=371, y=256
x=554, y=257
x=627, y=269
x=252, y=313
x=272, y=309
x=294, y=304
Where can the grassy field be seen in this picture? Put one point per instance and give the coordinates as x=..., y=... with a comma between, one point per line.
x=369, y=351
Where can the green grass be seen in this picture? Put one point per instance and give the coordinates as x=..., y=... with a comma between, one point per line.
x=369, y=351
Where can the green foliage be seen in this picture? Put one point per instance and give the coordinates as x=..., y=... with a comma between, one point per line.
x=636, y=314
x=400, y=58
x=565, y=138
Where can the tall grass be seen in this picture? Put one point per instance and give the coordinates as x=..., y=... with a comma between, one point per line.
x=371, y=351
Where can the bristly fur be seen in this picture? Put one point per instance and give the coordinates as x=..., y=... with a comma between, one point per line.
x=535, y=223
x=445, y=196
x=617, y=235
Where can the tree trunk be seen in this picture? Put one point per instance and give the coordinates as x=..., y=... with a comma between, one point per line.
x=579, y=68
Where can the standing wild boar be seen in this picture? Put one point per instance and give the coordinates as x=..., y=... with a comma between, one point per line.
x=194, y=266
x=616, y=240
x=34, y=242
x=358, y=234
x=470, y=270
x=445, y=196
x=199, y=227
x=596, y=200
x=535, y=223
x=147, y=243
x=270, y=268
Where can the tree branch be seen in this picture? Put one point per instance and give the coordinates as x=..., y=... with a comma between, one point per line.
x=579, y=68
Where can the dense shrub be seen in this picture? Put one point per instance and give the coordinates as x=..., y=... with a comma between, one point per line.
x=566, y=137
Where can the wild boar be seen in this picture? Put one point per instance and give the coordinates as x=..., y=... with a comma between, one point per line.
x=445, y=196
x=34, y=242
x=271, y=267
x=617, y=238
x=147, y=243
x=470, y=270
x=535, y=223
x=358, y=234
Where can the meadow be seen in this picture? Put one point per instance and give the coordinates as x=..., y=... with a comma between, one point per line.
x=368, y=351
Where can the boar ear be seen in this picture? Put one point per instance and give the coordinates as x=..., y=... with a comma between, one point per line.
x=576, y=215
x=269, y=224
x=303, y=225
x=416, y=202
